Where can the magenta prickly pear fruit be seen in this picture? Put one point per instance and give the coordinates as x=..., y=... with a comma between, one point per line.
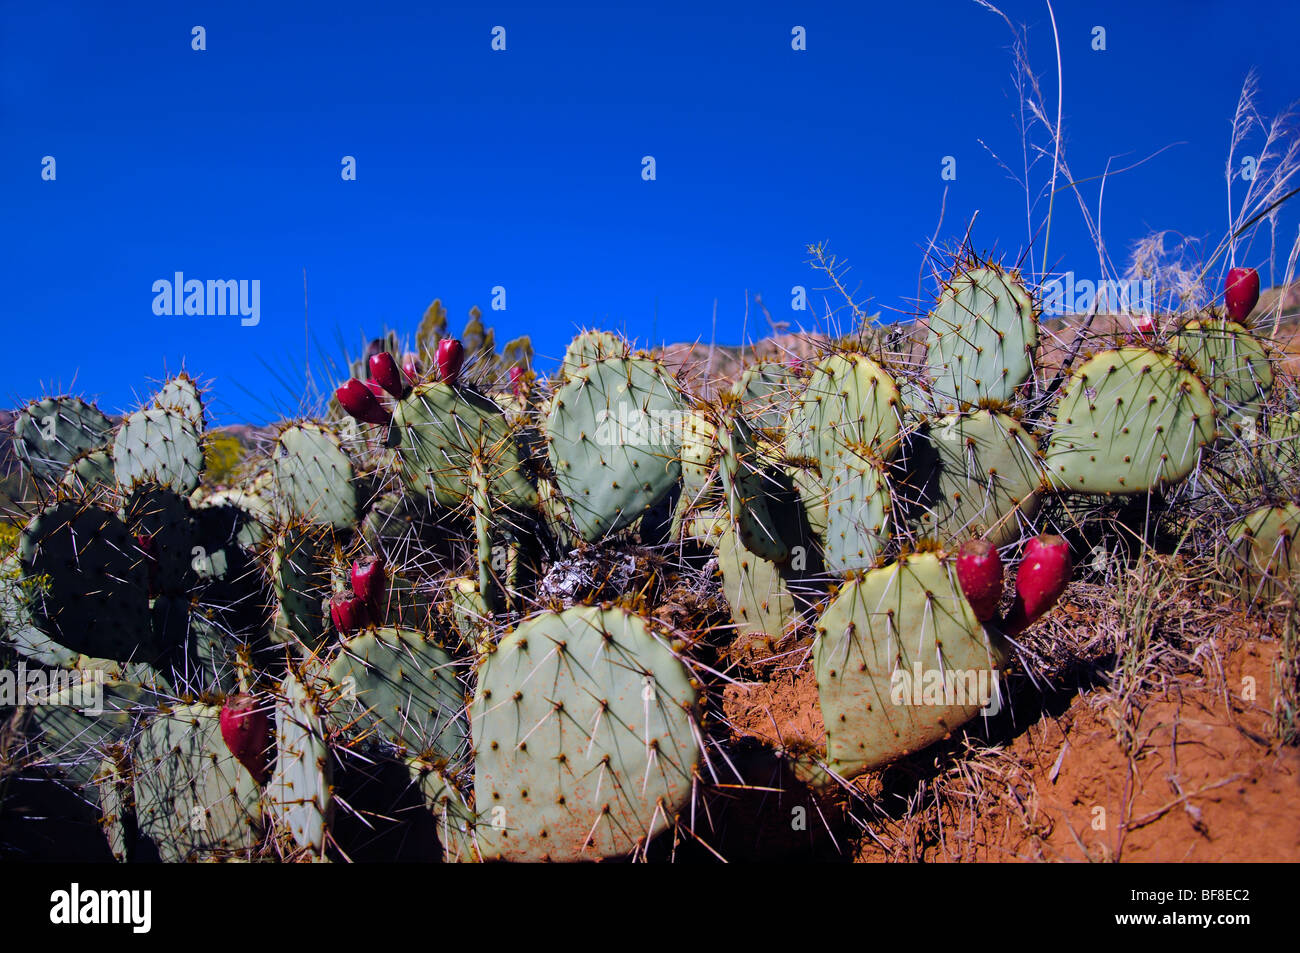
x=360, y=402
x=384, y=371
x=516, y=380
x=411, y=368
x=451, y=354
x=979, y=571
x=1043, y=575
x=1143, y=323
x=370, y=583
x=246, y=729
x=348, y=613
x=1241, y=293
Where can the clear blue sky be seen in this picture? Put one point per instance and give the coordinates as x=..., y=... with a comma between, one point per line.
x=522, y=169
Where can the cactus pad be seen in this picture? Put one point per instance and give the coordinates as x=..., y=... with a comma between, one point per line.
x=158, y=446
x=50, y=434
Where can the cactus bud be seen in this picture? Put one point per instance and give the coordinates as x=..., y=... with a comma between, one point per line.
x=1241, y=293
x=384, y=371
x=1043, y=575
x=411, y=368
x=360, y=402
x=370, y=583
x=246, y=729
x=451, y=354
x=979, y=571
x=516, y=380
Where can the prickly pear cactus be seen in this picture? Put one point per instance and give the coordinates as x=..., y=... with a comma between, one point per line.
x=181, y=395
x=858, y=517
x=1130, y=420
x=313, y=477
x=1262, y=553
x=395, y=687
x=901, y=662
x=615, y=442
x=983, y=333
x=850, y=402
x=299, y=792
x=50, y=434
x=193, y=798
x=585, y=744
x=158, y=446
x=1232, y=362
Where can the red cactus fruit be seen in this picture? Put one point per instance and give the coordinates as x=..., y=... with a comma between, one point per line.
x=384, y=370
x=1143, y=323
x=370, y=583
x=348, y=612
x=979, y=571
x=1241, y=292
x=451, y=354
x=246, y=729
x=358, y=400
x=146, y=544
x=377, y=389
x=1043, y=575
x=412, y=368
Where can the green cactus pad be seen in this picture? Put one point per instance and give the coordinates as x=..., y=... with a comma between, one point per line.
x=591, y=347
x=871, y=640
x=453, y=812
x=50, y=434
x=181, y=395
x=300, y=575
x=1232, y=363
x=18, y=630
x=90, y=473
x=314, y=480
x=615, y=442
x=299, y=792
x=758, y=596
x=1130, y=420
x=983, y=333
x=766, y=391
x=155, y=511
x=96, y=597
x=748, y=485
x=158, y=446
x=255, y=513
x=443, y=429
x=395, y=687
x=699, y=459
x=989, y=478
x=1263, y=555
x=850, y=402
x=116, y=792
x=193, y=798
x=857, y=513
x=584, y=738
x=73, y=736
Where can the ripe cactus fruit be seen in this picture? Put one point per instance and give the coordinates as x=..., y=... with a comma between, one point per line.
x=614, y=434
x=412, y=368
x=1043, y=574
x=348, y=613
x=451, y=354
x=246, y=729
x=1130, y=420
x=385, y=372
x=1241, y=292
x=516, y=375
x=360, y=403
x=979, y=571
x=901, y=661
x=370, y=582
x=983, y=333
x=584, y=736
